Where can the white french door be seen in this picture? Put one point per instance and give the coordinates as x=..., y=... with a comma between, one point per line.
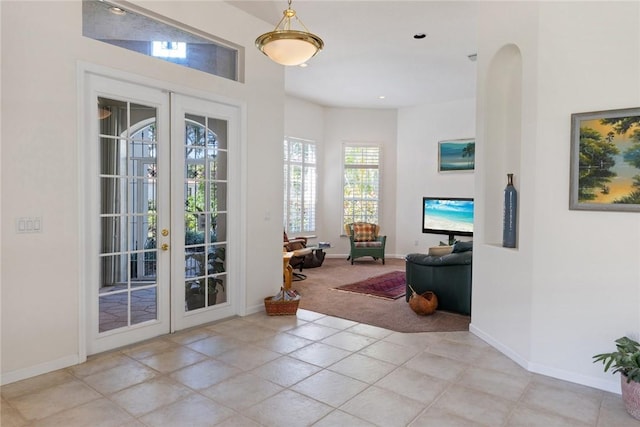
x=159, y=233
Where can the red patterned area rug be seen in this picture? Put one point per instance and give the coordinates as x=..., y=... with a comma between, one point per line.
x=389, y=286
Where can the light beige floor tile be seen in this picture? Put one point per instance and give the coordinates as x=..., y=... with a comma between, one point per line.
x=436, y=366
x=173, y=359
x=523, y=416
x=193, y=411
x=309, y=316
x=383, y=407
x=283, y=323
x=349, y=341
x=288, y=408
x=150, y=348
x=238, y=420
x=561, y=401
x=97, y=413
x=248, y=357
x=10, y=417
x=284, y=343
x=390, y=352
x=120, y=377
x=338, y=418
x=320, y=354
x=227, y=327
x=370, y=331
x=417, y=340
x=493, y=382
x=286, y=371
x=454, y=350
x=414, y=385
x=613, y=413
x=435, y=417
x=242, y=391
x=494, y=360
x=192, y=335
x=312, y=331
x=35, y=384
x=151, y=395
x=49, y=401
x=330, y=388
x=362, y=368
x=251, y=332
x=464, y=337
x=215, y=345
x=335, y=322
x=474, y=405
x=100, y=363
x=205, y=374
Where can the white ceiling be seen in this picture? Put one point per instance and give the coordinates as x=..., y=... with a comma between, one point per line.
x=370, y=51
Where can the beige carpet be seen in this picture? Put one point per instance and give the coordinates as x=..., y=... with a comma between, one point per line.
x=317, y=295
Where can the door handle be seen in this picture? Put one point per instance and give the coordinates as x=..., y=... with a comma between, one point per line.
x=165, y=232
x=165, y=247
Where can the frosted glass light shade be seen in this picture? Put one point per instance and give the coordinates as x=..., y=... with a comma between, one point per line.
x=289, y=47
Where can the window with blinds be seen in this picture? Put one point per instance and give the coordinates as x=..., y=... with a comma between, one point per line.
x=299, y=185
x=361, y=197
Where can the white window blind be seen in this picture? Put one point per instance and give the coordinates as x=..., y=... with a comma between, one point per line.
x=361, y=198
x=299, y=185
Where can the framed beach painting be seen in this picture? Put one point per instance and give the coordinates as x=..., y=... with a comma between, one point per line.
x=456, y=155
x=605, y=160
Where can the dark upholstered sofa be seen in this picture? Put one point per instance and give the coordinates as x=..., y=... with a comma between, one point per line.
x=448, y=276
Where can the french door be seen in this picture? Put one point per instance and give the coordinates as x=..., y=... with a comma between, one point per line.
x=160, y=235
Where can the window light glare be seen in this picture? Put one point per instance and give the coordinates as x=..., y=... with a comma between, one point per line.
x=168, y=49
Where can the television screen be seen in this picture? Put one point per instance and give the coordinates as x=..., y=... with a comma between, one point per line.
x=447, y=215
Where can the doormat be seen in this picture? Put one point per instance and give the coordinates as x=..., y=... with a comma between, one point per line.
x=389, y=286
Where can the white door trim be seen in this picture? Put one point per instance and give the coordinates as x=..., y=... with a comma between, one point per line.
x=86, y=110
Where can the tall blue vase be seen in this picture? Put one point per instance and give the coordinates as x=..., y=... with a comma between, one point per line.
x=509, y=225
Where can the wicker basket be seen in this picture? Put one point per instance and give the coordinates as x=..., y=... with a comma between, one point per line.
x=423, y=304
x=281, y=307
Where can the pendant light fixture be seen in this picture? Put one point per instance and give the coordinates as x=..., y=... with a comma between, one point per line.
x=287, y=46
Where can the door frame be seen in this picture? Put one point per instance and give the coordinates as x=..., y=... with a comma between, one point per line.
x=87, y=109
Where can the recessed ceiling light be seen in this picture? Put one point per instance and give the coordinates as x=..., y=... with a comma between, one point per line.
x=117, y=11
x=304, y=65
x=381, y=97
x=419, y=36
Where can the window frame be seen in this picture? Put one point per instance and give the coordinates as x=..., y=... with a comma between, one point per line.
x=378, y=200
x=304, y=165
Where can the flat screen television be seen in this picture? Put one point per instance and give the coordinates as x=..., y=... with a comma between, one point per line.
x=452, y=216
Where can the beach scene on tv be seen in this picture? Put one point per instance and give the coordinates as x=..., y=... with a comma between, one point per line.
x=443, y=214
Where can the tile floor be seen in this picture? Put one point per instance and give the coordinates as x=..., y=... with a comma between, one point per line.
x=306, y=370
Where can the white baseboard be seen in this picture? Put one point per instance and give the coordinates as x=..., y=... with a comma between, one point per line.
x=537, y=368
x=44, y=368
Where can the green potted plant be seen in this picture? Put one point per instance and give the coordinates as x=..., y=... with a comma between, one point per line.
x=626, y=360
x=195, y=289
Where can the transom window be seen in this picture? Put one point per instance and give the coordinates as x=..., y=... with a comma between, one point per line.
x=361, y=196
x=299, y=185
x=140, y=33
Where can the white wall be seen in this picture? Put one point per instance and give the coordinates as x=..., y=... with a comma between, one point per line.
x=40, y=282
x=304, y=119
x=358, y=125
x=419, y=130
x=575, y=274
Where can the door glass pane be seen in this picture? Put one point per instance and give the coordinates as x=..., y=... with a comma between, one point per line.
x=205, y=201
x=128, y=200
